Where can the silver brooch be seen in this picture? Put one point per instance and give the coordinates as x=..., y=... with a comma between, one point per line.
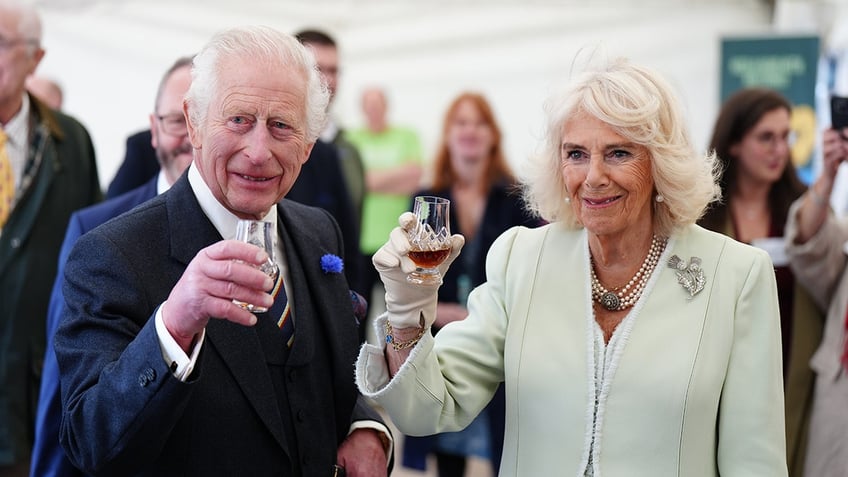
x=690, y=276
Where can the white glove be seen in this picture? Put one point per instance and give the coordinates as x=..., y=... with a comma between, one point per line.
x=408, y=305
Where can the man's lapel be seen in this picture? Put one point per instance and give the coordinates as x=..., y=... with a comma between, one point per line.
x=238, y=346
x=189, y=227
x=322, y=305
x=21, y=222
x=303, y=308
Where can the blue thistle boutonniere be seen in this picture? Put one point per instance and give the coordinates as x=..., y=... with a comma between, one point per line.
x=331, y=263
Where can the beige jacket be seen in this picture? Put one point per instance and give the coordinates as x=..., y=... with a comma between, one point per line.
x=820, y=264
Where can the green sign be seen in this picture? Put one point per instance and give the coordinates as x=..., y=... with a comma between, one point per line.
x=786, y=64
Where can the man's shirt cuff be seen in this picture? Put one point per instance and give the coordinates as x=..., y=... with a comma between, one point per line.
x=177, y=360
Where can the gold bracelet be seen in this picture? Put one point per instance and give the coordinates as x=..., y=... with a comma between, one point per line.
x=817, y=198
x=390, y=339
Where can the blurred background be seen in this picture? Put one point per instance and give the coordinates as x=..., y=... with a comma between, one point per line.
x=108, y=55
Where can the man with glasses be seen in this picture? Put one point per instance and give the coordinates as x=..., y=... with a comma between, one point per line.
x=174, y=154
x=326, y=53
x=47, y=171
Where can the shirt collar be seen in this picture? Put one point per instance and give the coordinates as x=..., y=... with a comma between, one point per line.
x=16, y=128
x=162, y=183
x=223, y=220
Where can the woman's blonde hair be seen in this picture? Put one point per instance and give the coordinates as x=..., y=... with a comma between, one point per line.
x=639, y=105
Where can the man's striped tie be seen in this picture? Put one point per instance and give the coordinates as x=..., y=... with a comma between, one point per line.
x=281, y=312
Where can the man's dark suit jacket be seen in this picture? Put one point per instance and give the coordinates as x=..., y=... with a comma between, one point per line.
x=139, y=166
x=48, y=458
x=250, y=407
x=63, y=172
x=321, y=183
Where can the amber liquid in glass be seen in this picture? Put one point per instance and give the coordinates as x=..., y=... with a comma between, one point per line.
x=429, y=258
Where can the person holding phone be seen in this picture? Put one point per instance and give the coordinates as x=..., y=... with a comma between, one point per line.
x=816, y=247
x=751, y=138
x=839, y=115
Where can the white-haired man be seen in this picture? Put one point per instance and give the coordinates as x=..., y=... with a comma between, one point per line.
x=161, y=373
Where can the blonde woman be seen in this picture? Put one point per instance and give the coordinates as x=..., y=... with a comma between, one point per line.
x=631, y=341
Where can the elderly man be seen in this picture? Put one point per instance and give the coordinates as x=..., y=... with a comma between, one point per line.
x=174, y=154
x=161, y=374
x=47, y=170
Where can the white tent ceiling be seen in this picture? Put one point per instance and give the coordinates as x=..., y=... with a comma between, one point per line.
x=109, y=55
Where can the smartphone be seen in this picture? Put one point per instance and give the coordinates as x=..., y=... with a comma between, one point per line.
x=839, y=112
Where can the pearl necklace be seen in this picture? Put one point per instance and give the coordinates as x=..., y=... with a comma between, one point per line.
x=617, y=301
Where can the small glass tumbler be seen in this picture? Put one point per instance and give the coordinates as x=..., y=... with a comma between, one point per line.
x=261, y=234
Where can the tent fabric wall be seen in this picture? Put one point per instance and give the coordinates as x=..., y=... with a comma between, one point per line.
x=109, y=55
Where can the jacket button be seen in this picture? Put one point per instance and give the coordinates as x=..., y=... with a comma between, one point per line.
x=301, y=416
x=146, y=377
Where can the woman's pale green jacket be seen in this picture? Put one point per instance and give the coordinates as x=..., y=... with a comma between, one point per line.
x=693, y=386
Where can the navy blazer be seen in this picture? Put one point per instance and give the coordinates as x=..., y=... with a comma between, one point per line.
x=139, y=165
x=124, y=411
x=48, y=458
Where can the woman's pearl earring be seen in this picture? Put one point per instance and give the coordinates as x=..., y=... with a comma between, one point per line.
x=659, y=198
x=567, y=200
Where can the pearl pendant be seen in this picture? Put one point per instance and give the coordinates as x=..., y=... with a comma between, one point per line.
x=633, y=290
x=610, y=301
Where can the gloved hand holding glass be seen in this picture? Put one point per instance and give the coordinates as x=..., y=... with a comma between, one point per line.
x=412, y=288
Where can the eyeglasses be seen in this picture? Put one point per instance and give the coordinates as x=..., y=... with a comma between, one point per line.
x=770, y=140
x=173, y=124
x=9, y=43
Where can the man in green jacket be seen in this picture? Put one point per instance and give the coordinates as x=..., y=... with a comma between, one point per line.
x=47, y=170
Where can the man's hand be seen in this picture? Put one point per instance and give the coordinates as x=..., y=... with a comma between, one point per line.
x=218, y=274
x=362, y=454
